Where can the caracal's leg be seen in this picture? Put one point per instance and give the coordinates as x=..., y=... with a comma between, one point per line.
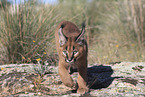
x=66, y=77
x=82, y=80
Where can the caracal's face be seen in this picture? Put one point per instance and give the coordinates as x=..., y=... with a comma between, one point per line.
x=71, y=50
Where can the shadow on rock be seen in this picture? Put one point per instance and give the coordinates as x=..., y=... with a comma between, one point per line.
x=100, y=76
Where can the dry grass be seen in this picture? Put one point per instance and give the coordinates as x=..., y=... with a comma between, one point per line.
x=26, y=31
x=115, y=29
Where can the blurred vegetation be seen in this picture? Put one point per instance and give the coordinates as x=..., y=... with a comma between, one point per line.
x=4, y=4
x=114, y=29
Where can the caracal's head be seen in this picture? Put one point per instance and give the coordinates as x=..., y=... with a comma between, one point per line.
x=71, y=46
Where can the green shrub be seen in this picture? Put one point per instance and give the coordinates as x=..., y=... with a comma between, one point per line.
x=26, y=31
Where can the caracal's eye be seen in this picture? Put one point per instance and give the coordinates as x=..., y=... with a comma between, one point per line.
x=64, y=53
x=75, y=52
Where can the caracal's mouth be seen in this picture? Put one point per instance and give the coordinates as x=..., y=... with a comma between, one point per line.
x=70, y=61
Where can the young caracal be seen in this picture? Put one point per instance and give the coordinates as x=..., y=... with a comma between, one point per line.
x=72, y=50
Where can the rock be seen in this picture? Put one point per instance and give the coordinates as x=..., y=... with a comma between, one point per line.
x=125, y=79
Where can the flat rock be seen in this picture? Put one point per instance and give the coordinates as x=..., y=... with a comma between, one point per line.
x=125, y=79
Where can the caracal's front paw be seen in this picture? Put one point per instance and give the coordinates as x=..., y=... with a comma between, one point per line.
x=82, y=90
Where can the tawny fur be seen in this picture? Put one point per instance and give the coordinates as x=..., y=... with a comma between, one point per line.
x=71, y=32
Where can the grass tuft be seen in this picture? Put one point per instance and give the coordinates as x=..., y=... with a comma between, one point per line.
x=114, y=29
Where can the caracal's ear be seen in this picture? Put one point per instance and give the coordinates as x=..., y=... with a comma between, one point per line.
x=62, y=37
x=80, y=37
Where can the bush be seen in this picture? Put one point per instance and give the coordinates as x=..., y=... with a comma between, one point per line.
x=26, y=30
x=114, y=29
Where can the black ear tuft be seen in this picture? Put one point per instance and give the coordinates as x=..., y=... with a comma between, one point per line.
x=62, y=26
x=83, y=24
